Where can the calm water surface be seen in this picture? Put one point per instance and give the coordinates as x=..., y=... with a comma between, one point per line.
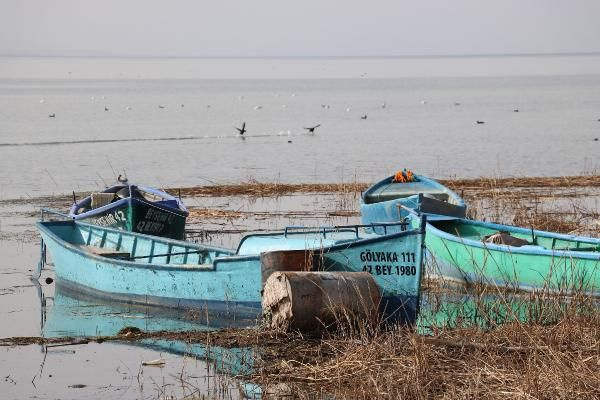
x=170, y=122
x=421, y=113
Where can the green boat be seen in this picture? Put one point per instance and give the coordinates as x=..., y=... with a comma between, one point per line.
x=133, y=208
x=514, y=257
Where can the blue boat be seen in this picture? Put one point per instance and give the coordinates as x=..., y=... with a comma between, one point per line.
x=143, y=269
x=386, y=200
x=134, y=208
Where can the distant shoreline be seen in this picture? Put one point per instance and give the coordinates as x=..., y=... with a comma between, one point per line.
x=314, y=67
x=303, y=57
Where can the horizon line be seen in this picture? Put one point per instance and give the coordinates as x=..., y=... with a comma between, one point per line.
x=473, y=55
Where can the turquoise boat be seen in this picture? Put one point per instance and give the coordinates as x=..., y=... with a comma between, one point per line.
x=387, y=200
x=134, y=208
x=136, y=268
x=513, y=257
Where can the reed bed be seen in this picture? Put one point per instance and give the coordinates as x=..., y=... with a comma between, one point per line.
x=570, y=186
x=197, y=213
x=499, y=344
x=262, y=189
x=527, y=346
x=513, y=361
x=484, y=186
x=511, y=182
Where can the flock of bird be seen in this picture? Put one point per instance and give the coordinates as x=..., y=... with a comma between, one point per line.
x=311, y=130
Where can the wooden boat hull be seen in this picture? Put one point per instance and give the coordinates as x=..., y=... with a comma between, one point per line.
x=384, y=201
x=231, y=285
x=531, y=267
x=218, y=280
x=135, y=214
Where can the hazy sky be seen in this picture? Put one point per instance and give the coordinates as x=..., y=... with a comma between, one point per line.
x=297, y=28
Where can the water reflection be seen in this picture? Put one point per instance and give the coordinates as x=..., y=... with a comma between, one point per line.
x=488, y=308
x=71, y=314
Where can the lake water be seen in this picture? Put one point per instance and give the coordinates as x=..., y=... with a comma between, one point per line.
x=421, y=113
x=170, y=122
x=114, y=371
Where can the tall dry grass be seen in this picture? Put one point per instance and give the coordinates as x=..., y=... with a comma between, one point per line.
x=487, y=343
x=539, y=347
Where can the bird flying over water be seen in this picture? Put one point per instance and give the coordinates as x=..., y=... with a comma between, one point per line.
x=242, y=130
x=312, y=128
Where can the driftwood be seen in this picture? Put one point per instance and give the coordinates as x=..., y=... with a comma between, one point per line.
x=310, y=301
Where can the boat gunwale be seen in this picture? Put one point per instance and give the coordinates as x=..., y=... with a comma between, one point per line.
x=180, y=211
x=98, y=210
x=529, y=249
x=341, y=246
x=431, y=182
x=134, y=264
x=233, y=257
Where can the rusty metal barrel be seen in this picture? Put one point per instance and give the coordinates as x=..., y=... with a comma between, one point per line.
x=309, y=301
x=289, y=260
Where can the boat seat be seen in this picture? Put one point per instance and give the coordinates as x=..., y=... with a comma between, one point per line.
x=110, y=253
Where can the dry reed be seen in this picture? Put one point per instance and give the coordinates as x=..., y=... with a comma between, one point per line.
x=536, y=346
x=261, y=189
x=551, y=353
x=480, y=185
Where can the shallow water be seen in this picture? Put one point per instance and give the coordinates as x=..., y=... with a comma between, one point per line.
x=69, y=314
x=113, y=371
